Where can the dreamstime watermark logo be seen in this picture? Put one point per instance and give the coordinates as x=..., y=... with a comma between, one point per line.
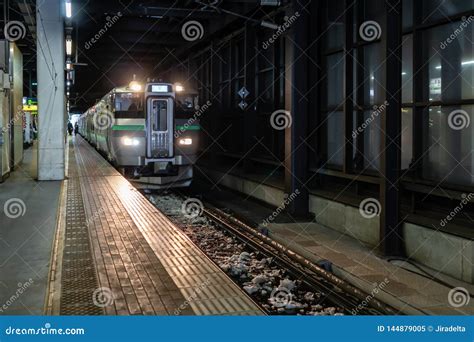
x=94, y=217
x=370, y=30
x=280, y=119
x=110, y=21
x=464, y=23
x=18, y=115
x=376, y=112
x=365, y=303
x=192, y=30
x=281, y=30
x=14, y=30
x=288, y=199
x=370, y=207
x=14, y=208
x=464, y=201
x=280, y=297
x=193, y=297
x=102, y=297
x=458, y=296
x=22, y=287
x=197, y=114
x=192, y=208
x=103, y=120
x=46, y=330
x=458, y=119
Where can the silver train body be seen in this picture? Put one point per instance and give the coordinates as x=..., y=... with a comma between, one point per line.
x=150, y=135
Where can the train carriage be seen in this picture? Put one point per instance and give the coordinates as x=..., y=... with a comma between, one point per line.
x=150, y=133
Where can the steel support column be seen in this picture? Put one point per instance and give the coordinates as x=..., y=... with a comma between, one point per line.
x=250, y=114
x=348, y=85
x=420, y=94
x=391, y=229
x=51, y=100
x=295, y=146
x=215, y=98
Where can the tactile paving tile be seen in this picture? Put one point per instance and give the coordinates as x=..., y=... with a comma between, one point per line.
x=78, y=278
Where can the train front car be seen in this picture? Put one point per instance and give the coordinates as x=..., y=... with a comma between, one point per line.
x=168, y=158
x=125, y=117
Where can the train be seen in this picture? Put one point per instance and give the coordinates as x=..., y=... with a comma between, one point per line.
x=149, y=132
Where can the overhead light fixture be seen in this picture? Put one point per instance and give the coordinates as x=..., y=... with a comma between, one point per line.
x=69, y=46
x=462, y=63
x=68, y=9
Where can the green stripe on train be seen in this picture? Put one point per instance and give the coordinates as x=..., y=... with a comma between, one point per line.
x=128, y=127
x=142, y=127
x=188, y=128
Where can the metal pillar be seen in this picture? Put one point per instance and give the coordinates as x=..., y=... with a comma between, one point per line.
x=214, y=121
x=296, y=154
x=250, y=117
x=391, y=229
x=420, y=94
x=51, y=100
x=348, y=85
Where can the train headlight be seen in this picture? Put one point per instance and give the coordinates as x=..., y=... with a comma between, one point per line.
x=135, y=86
x=130, y=141
x=185, y=141
x=178, y=87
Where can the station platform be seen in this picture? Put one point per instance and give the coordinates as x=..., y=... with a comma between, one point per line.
x=116, y=254
x=109, y=251
x=26, y=235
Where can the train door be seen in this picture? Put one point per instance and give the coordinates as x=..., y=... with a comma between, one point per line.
x=160, y=127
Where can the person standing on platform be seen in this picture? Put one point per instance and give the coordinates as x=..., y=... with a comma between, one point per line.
x=69, y=127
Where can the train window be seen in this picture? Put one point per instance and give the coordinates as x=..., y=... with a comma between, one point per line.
x=160, y=115
x=186, y=105
x=128, y=102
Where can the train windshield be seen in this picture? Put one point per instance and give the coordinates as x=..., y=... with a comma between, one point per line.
x=129, y=102
x=186, y=104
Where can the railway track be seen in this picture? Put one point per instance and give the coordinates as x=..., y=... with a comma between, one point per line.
x=278, y=279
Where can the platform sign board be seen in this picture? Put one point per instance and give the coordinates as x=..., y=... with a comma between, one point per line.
x=30, y=105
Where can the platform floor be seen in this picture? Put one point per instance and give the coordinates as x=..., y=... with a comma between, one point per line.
x=26, y=240
x=117, y=254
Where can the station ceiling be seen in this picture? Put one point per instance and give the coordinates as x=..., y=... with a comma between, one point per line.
x=117, y=39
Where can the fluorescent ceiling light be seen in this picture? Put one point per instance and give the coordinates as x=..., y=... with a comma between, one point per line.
x=68, y=9
x=69, y=46
x=462, y=63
